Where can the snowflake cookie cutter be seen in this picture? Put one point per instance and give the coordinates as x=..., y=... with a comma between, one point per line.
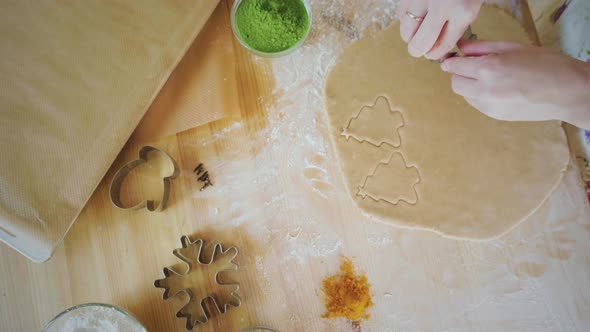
x=117, y=182
x=197, y=286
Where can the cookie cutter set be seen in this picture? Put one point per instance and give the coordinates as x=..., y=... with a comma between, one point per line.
x=203, y=299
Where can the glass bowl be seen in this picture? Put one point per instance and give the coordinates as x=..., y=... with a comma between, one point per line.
x=77, y=313
x=234, y=27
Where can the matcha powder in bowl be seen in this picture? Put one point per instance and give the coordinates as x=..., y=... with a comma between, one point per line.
x=271, y=27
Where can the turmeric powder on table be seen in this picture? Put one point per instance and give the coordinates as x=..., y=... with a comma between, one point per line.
x=346, y=294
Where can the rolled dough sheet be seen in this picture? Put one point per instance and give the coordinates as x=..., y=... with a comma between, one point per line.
x=415, y=154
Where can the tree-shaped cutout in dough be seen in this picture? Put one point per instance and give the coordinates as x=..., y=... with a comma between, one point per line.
x=392, y=181
x=376, y=124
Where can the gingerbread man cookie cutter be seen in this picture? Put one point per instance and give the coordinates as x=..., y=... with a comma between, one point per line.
x=123, y=172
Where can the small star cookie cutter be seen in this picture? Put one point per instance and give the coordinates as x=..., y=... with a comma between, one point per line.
x=197, y=286
x=117, y=182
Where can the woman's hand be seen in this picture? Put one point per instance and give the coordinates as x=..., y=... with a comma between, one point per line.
x=443, y=24
x=510, y=81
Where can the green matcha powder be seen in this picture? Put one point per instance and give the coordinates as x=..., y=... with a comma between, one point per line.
x=272, y=26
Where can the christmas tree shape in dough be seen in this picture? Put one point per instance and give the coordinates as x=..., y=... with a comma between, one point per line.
x=392, y=181
x=377, y=124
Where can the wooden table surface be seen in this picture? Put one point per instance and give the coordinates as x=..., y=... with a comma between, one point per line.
x=277, y=196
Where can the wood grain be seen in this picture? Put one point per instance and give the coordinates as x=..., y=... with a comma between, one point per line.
x=535, y=278
x=196, y=90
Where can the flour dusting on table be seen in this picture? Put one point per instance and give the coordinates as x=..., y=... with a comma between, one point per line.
x=288, y=198
x=297, y=125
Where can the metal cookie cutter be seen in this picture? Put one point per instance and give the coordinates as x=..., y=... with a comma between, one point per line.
x=467, y=35
x=115, y=189
x=201, y=281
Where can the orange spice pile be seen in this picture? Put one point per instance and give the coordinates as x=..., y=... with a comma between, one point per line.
x=347, y=294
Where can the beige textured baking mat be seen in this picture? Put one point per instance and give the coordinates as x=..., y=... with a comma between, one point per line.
x=76, y=77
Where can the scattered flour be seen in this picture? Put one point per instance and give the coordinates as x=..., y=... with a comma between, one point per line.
x=379, y=239
x=284, y=192
x=284, y=198
x=221, y=134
